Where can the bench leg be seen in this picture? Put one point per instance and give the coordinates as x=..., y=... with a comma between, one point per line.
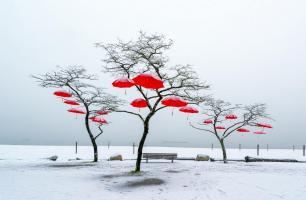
x=172, y=160
x=147, y=160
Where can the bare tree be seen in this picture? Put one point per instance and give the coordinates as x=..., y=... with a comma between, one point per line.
x=146, y=55
x=217, y=110
x=92, y=98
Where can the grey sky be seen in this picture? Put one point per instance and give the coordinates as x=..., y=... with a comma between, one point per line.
x=248, y=51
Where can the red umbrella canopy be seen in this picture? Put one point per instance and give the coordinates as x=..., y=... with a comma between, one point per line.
x=220, y=127
x=259, y=132
x=243, y=130
x=188, y=109
x=62, y=94
x=231, y=117
x=263, y=125
x=148, y=81
x=174, y=102
x=123, y=82
x=208, y=121
x=139, y=103
x=76, y=111
x=102, y=112
x=73, y=103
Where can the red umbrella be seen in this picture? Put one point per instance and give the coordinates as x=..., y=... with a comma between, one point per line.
x=123, y=83
x=259, y=132
x=76, y=111
x=243, y=130
x=188, y=109
x=263, y=125
x=231, y=117
x=174, y=102
x=73, y=103
x=220, y=127
x=208, y=121
x=62, y=94
x=139, y=103
x=148, y=81
x=99, y=120
x=102, y=112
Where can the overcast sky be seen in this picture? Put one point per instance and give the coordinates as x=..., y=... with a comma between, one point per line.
x=248, y=51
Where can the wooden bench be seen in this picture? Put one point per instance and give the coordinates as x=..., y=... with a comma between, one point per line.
x=167, y=156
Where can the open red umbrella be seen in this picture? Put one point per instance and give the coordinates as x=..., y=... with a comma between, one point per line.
x=259, y=132
x=102, y=112
x=148, y=81
x=123, y=82
x=139, y=103
x=207, y=121
x=76, y=111
x=264, y=125
x=62, y=94
x=70, y=102
x=220, y=127
x=231, y=117
x=99, y=120
x=242, y=130
x=188, y=109
x=174, y=102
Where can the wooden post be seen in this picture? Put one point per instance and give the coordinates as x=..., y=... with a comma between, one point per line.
x=108, y=143
x=267, y=147
x=258, y=150
x=76, y=147
x=212, y=146
x=133, y=148
x=239, y=147
x=304, y=150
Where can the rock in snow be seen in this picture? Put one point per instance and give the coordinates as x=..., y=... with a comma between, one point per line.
x=53, y=158
x=116, y=157
x=202, y=157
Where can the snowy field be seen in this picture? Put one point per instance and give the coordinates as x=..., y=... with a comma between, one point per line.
x=26, y=175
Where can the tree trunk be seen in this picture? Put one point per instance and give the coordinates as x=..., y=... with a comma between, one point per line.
x=141, y=144
x=223, y=150
x=92, y=138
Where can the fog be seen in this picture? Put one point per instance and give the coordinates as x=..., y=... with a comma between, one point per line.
x=247, y=51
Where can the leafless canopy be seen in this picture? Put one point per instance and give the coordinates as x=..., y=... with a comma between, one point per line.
x=146, y=55
x=216, y=110
x=78, y=82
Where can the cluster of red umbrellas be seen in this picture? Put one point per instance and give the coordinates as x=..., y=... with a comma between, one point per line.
x=148, y=81
x=65, y=94
x=97, y=119
x=241, y=130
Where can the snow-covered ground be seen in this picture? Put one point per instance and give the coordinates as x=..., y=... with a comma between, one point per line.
x=26, y=175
